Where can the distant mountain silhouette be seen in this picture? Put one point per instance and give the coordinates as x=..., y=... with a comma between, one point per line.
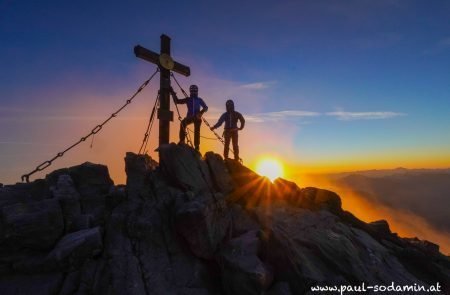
x=390, y=172
x=424, y=192
x=195, y=225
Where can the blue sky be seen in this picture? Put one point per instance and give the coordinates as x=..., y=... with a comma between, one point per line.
x=322, y=83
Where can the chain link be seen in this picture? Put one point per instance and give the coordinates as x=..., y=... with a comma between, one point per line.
x=95, y=130
x=187, y=135
x=149, y=127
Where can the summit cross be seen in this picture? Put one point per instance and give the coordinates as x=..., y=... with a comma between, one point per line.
x=165, y=64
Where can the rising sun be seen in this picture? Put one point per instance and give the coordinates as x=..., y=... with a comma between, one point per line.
x=269, y=168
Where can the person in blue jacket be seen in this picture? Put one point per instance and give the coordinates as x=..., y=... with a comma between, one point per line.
x=230, y=117
x=194, y=114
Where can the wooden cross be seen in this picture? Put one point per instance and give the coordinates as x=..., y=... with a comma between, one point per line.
x=165, y=64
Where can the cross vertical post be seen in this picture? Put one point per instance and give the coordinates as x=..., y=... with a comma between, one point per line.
x=165, y=64
x=165, y=115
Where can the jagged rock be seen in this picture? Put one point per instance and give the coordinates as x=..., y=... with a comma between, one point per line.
x=241, y=222
x=219, y=172
x=80, y=222
x=92, y=182
x=71, y=283
x=251, y=190
x=36, y=225
x=315, y=199
x=243, y=271
x=93, y=280
x=184, y=167
x=89, y=179
x=36, y=284
x=424, y=245
x=116, y=195
x=279, y=288
x=123, y=269
x=65, y=188
x=203, y=224
x=69, y=253
x=69, y=199
x=381, y=226
x=317, y=248
x=286, y=189
x=138, y=168
x=174, y=229
x=23, y=193
x=74, y=248
x=166, y=265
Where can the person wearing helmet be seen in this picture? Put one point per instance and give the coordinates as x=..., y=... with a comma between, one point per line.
x=194, y=113
x=230, y=117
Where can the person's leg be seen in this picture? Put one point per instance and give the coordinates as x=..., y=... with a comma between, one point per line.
x=184, y=123
x=197, y=125
x=234, y=139
x=226, y=147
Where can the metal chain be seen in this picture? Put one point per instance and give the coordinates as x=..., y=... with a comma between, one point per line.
x=149, y=127
x=176, y=81
x=205, y=137
x=95, y=130
x=220, y=138
x=187, y=135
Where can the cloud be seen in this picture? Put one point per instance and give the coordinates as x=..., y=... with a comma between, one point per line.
x=349, y=116
x=298, y=114
x=279, y=116
x=258, y=85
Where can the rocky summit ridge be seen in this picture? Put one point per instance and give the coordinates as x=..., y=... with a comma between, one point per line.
x=194, y=225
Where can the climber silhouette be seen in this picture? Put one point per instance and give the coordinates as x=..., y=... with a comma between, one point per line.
x=230, y=117
x=194, y=114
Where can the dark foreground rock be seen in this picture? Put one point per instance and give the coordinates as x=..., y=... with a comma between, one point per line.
x=194, y=225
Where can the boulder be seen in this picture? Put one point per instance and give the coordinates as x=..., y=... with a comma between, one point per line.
x=381, y=226
x=203, y=224
x=241, y=221
x=424, y=245
x=36, y=284
x=69, y=254
x=178, y=228
x=279, y=288
x=90, y=179
x=64, y=188
x=184, y=167
x=312, y=247
x=71, y=283
x=139, y=169
x=286, y=189
x=69, y=199
x=36, y=225
x=219, y=172
x=92, y=182
x=23, y=193
x=315, y=199
x=80, y=222
x=242, y=270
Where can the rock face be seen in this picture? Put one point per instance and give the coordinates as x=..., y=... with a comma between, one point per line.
x=194, y=225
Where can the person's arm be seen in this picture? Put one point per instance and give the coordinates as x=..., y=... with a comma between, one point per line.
x=219, y=123
x=175, y=97
x=242, y=120
x=204, y=107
